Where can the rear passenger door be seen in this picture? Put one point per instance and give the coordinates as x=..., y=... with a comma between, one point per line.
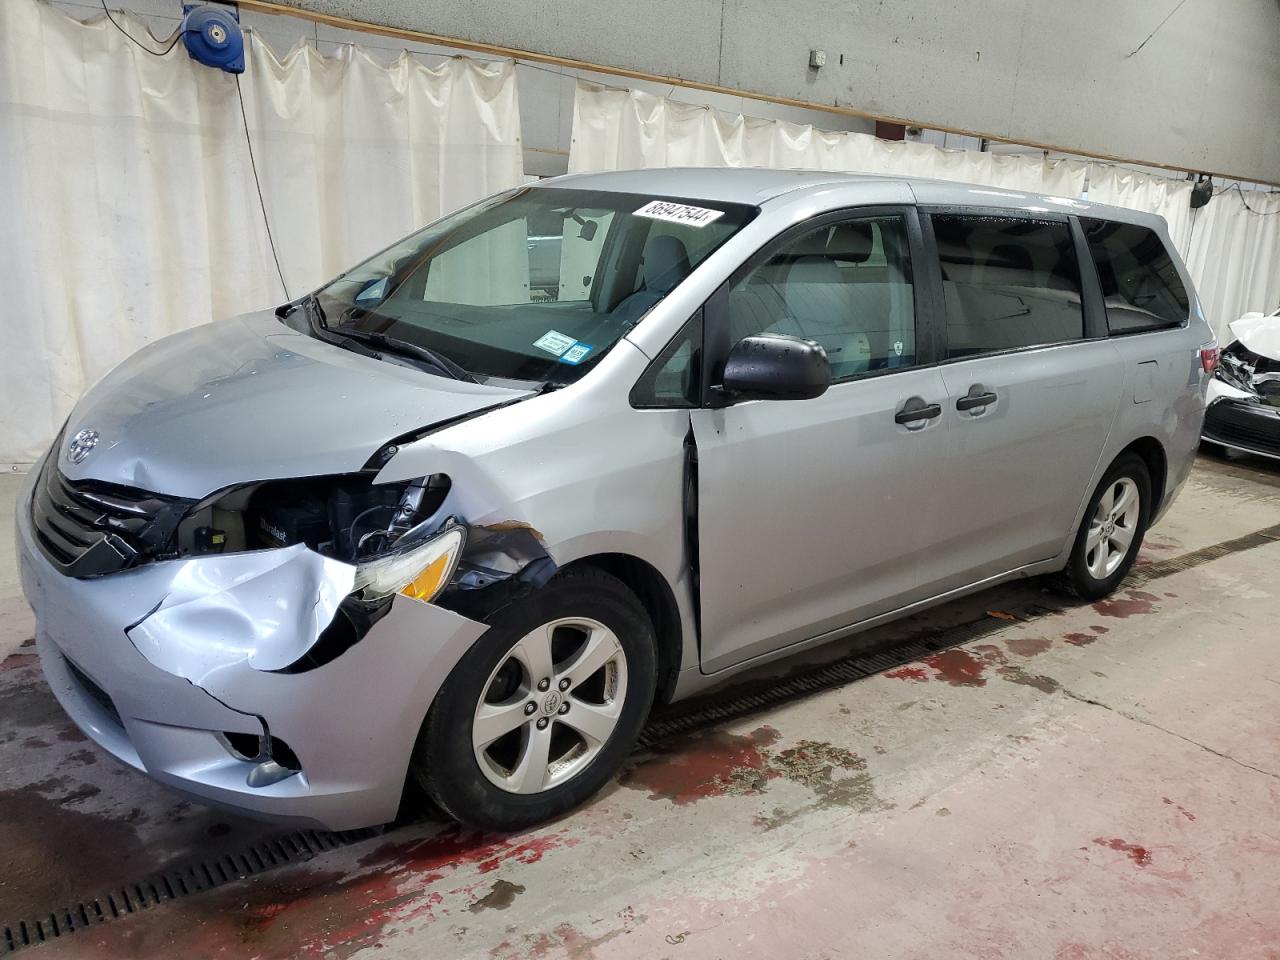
x=1032, y=388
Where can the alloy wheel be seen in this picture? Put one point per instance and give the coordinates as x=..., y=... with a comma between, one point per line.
x=1112, y=528
x=550, y=705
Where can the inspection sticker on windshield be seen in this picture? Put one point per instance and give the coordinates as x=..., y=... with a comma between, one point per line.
x=554, y=343
x=576, y=354
x=679, y=213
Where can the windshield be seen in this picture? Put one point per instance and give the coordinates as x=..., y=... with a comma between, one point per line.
x=533, y=285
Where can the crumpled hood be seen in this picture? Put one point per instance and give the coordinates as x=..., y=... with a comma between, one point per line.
x=1258, y=333
x=251, y=399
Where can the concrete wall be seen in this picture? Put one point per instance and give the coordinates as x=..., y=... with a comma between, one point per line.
x=546, y=93
x=1203, y=93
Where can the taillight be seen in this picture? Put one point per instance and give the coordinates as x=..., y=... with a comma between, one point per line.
x=1209, y=356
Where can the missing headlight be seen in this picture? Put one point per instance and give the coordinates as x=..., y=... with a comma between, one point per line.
x=346, y=517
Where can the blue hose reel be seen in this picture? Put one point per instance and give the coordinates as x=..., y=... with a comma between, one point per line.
x=212, y=36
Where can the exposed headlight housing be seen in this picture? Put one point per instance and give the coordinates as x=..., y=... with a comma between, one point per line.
x=346, y=516
x=1234, y=369
x=420, y=571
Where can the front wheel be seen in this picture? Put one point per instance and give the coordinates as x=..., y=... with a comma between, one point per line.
x=1111, y=530
x=543, y=710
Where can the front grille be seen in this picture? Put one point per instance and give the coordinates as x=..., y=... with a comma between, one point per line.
x=88, y=528
x=1242, y=424
x=94, y=692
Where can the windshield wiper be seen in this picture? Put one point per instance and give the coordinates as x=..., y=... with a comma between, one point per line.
x=322, y=331
x=406, y=349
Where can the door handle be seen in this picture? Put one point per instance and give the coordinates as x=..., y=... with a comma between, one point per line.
x=976, y=397
x=919, y=411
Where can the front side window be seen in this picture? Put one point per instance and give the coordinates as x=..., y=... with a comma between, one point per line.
x=534, y=285
x=845, y=285
x=1008, y=283
x=674, y=378
x=1140, y=282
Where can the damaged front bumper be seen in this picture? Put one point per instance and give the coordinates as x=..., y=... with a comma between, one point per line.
x=174, y=668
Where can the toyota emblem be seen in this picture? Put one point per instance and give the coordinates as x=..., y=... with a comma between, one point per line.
x=81, y=445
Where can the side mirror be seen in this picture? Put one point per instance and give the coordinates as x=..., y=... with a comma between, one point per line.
x=774, y=366
x=374, y=291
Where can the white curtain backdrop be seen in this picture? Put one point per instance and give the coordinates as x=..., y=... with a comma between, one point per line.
x=1233, y=255
x=621, y=129
x=129, y=206
x=1232, y=250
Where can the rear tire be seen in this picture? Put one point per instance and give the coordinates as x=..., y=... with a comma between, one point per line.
x=1111, y=531
x=542, y=711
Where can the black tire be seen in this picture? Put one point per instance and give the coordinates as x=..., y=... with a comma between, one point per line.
x=444, y=763
x=1076, y=579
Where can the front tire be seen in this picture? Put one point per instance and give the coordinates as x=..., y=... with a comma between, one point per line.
x=544, y=708
x=1111, y=531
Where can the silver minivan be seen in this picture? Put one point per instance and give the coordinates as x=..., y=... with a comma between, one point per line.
x=464, y=514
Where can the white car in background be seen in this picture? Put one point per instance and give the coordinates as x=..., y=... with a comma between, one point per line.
x=1244, y=395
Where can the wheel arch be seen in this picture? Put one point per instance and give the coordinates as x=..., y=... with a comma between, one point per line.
x=1153, y=455
x=659, y=600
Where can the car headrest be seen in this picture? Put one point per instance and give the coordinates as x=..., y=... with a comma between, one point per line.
x=1010, y=257
x=812, y=244
x=664, y=263
x=850, y=242
x=812, y=282
x=813, y=270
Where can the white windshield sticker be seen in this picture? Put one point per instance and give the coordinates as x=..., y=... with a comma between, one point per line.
x=554, y=343
x=679, y=213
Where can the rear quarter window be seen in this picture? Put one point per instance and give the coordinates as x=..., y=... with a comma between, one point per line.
x=1139, y=279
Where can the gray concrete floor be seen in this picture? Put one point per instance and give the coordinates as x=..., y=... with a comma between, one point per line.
x=1099, y=782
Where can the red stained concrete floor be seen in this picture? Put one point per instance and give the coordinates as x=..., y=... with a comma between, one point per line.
x=1096, y=783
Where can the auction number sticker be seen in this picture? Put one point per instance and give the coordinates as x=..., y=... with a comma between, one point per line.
x=679, y=213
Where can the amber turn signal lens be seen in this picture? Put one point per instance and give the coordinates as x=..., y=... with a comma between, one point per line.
x=430, y=581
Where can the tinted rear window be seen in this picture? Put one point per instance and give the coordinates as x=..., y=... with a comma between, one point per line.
x=1008, y=282
x=1140, y=281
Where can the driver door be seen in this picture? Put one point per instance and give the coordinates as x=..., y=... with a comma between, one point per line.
x=816, y=514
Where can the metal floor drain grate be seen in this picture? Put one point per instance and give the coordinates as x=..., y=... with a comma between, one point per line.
x=1196, y=558
x=176, y=883
x=301, y=846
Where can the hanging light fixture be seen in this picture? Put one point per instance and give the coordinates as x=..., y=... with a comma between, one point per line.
x=1201, y=192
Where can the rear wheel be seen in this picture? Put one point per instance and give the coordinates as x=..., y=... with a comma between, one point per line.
x=1111, y=530
x=544, y=708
